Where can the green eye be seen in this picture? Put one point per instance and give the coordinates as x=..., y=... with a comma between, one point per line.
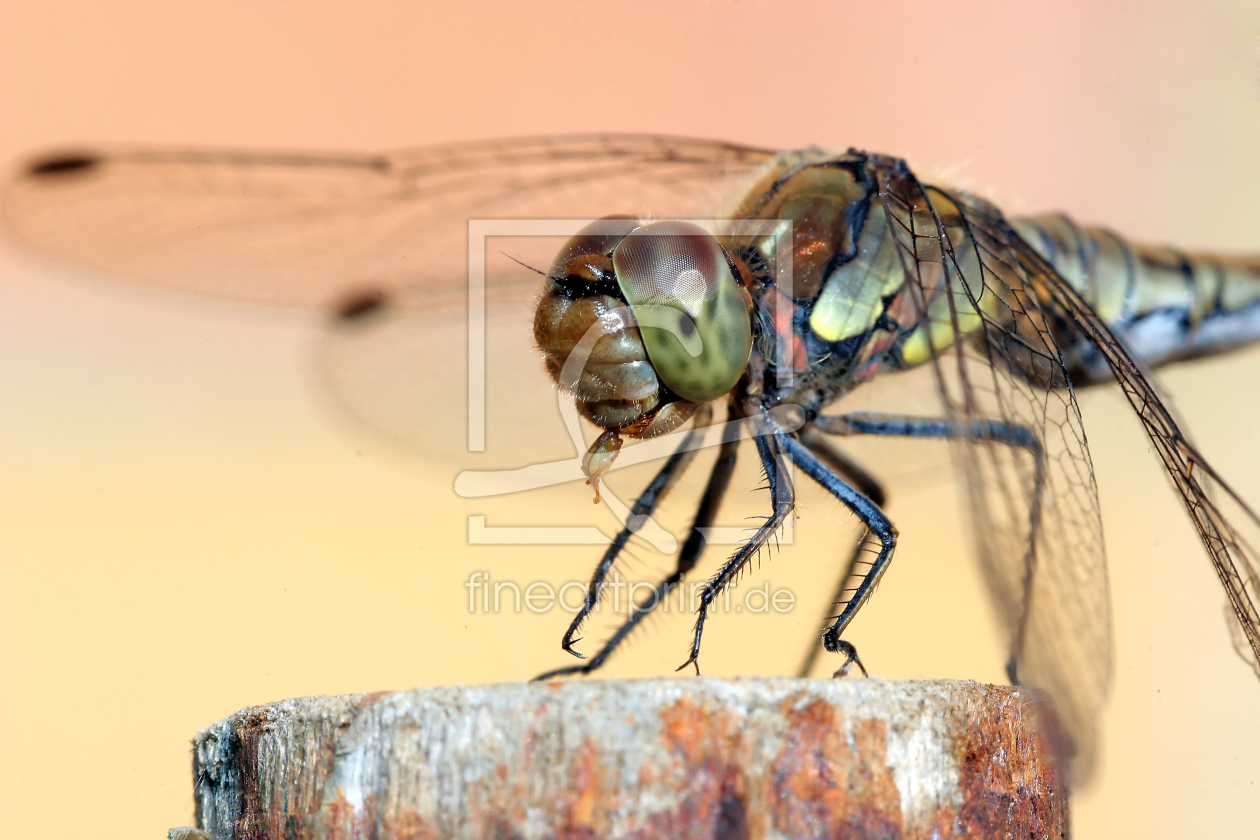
x=691, y=313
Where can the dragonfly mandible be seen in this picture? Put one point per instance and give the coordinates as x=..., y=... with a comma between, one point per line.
x=882, y=275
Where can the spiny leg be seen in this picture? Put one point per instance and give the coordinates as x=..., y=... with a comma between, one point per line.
x=643, y=507
x=782, y=500
x=870, y=487
x=879, y=525
x=1019, y=437
x=841, y=596
x=714, y=491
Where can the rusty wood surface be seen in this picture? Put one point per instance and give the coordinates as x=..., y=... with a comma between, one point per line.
x=678, y=758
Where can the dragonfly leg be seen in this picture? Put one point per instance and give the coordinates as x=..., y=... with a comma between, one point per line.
x=643, y=507
x=768, y=440
x=841, y=596
x=637, y=614
x=1020, y=437
x=870, y=487
x=714, y=491
x=879, y=526
x=896, y=425
x=853, y=472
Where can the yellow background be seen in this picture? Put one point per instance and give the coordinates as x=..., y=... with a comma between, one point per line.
x=182, y=533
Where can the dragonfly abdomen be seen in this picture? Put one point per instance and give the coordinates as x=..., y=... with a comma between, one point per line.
x=1165, y=304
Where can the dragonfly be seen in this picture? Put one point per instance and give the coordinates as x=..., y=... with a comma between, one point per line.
x=818, y=274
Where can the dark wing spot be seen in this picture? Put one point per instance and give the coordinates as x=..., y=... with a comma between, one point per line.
x=360, y=306
x=686, y=326
x=62, y=164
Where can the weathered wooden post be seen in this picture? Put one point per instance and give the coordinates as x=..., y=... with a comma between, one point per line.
x=677, y=758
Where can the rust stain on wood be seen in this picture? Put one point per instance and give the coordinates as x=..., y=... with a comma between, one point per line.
x=679, y=759
x=586, y=789
x=1005, y=777
x=825, y=787
x=703, y=746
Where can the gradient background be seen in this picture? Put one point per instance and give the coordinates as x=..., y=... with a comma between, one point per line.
x=182, y=533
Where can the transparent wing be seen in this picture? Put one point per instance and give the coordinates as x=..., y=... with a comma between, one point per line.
x=380, y=242
x=1218, y=513
x=1019, y=445
x=301, y=229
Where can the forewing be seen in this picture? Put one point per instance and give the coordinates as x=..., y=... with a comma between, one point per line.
x=303, y=229
x=1019, y=445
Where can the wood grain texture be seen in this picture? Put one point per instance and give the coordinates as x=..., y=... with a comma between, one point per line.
x=698, y=757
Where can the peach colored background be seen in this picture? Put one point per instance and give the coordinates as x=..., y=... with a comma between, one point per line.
x=182, y=533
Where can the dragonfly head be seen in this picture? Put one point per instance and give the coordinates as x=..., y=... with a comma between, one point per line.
x=642, y=323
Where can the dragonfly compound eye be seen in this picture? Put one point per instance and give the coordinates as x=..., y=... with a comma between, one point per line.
x=692, y=315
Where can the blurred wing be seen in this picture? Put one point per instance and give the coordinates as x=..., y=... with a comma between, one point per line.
x=1216, y=510
x=1020, y=445
x=381, y=243
x=302, y=229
